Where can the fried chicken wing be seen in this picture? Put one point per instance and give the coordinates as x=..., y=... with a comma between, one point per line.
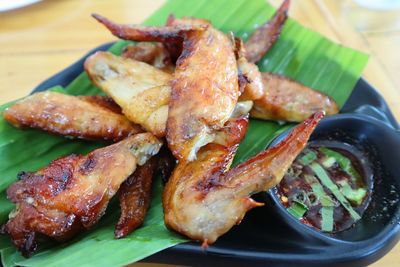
x=175, y=46
x=202, y=99
x=93, y=118
x=148, y=33
x=265, y=36
x=288, y=100
x=72, y=193
x=142, y=91
x=153, y=54
x=135, y=192
x=203, y=200
x=134, y=198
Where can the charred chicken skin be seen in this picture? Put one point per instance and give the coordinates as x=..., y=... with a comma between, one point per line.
x=89, y=117
x=72, y=193
x=142, y=33
x=135, y=192
x=265, y=36
x=203, y=199
x=134, y=198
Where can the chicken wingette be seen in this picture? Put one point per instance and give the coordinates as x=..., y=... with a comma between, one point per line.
x=264, y=37
x=71, y=193
x=202, y=99
x=142, y=91
x=134, y=198
x=288, y=100
x=203, y=199
x=86, y=117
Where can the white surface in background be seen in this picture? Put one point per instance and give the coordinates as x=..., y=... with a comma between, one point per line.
x=13, y=4
x=379, y=4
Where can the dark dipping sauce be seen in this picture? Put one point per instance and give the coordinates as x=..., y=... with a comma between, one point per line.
x=328, y=186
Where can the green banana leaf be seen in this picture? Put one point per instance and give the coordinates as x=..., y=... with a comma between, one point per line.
x=299, y=53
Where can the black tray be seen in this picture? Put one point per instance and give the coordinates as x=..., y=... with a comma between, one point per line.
x=263, y=238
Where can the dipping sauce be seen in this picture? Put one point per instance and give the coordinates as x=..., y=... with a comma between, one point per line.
x=327, y=186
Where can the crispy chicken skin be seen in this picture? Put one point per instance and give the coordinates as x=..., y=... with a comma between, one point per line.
x=175, y=46
x=265, y=36
x=88, y=117
x=250, y=81
x=72, y=193
x=288, y=100
x=134, y=198
x=202, y=99
x=203, y=200
x=153, y=54
x=142, y=33
x=142, y=91
x=102, y=101
x=135, y=192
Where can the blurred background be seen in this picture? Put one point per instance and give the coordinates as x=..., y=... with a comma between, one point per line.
x=40, y=38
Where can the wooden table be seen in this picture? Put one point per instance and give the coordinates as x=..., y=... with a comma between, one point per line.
x=39, y=40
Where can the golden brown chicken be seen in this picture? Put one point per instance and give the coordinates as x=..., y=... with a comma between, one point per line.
x=72, y=193
x=153, y=54
x=175, y=46
x=204, y=98
x=288, y=100
x=282, y=98
x=142, y=33
x=203, y=200
x=250, y=81
x=142, y=91
x=89, y=117
x=135, y=192
x=265, y=36
x=134, y=198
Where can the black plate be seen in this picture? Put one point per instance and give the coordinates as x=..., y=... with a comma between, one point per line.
x=263, y=238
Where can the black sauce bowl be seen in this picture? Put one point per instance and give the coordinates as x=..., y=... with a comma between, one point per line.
x=379, y=226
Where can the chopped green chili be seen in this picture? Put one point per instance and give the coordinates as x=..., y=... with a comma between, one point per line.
x=330, y=185
x=317, y=188
x=297, y=209
x=343, y=162
x=308, y=158
x=326, y=202
x=329, y=162
x=355, y=196
x=327, y=219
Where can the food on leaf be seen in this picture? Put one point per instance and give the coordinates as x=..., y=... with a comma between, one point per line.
x=202, y=99
x=203, y=199
x=265, y=36
x=148, y=33
x=288, y=100
x=72, y=193
x=86, y=117
x=142, y=91
x=134, y=198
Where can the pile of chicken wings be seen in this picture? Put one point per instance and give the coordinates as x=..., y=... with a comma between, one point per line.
x=178, y=105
